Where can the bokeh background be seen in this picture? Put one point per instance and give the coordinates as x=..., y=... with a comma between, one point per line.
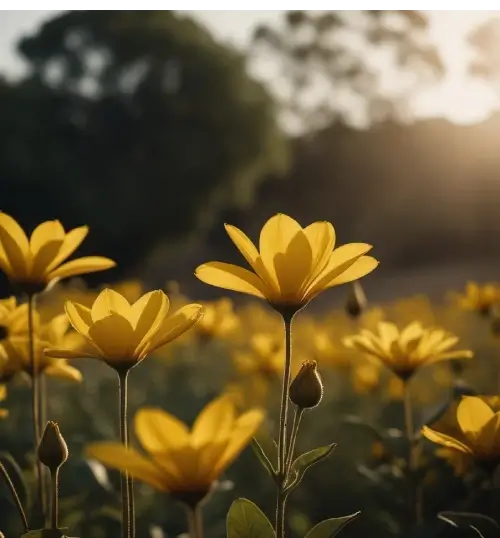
x=156, y=127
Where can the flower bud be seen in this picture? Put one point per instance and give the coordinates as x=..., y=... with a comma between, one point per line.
x=306, y=390
x=356, y=301
x=52, y=450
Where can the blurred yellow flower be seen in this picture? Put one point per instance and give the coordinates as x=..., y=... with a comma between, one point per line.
x=293, y=264
x=406, y=350
x=3, y=395
x=480, y=298
x=13, y=322
x=478, y=431
x=122, y=334
x=36, y=261
x=219, y=319
x=327, y=352
x=181, y=462
x=365, y=377
x=54, y=333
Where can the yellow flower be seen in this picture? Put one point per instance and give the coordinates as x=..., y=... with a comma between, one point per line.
x=3, y=395
x=219, y=319
x=54, y=333
x=406, y=350
x=293, y=264
x=122, y=334
x=478, y=431
x=365, y=377
x=181, y=462
x=480, y=298
x=37, y=261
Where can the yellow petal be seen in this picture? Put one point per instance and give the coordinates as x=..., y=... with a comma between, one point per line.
x=175, y=325
x=293, y=267
x=115, y=337
x=116, y=456
x=72, y=240
x=340, y=260
x=275, y=237
x=55, y=330
x=110, y=302
x=321, y=237
x=245, y=428
x=214, y=422
x=79, y=316
x=15, y=245
x=159, y=431
x=243, y=244
x=360, y=268
x=231, y=277
x=63, y=371
x=44, y=233
x=80, y=266
x=147, y=314
x=472, y=415
x=445, y=440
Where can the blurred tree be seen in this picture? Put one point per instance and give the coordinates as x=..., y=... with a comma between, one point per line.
x=135, y=122
x=332, y=61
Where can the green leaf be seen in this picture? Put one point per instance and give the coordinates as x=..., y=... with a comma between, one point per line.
x=483, y=526
x=331, y=527
x=304, y=461
x=262, y=457
x=246, y=520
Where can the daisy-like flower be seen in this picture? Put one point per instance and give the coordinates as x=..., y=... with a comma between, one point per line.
x=406, y=350
x=185, y=463
x=123, y=334
x=35, y=262
x=293, y=264
x=480, y=298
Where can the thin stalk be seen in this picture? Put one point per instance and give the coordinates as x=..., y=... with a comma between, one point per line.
x=195, y=522
x=42, y=421
x=282, y=449
x=297, y=417
x=54, y=508
x=126, y=489
x=35, y=402
x=415, y=496
x=15, y=497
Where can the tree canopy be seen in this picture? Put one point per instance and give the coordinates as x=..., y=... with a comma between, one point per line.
x=137, y=123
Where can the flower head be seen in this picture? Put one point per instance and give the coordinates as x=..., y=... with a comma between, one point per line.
x=181, y=462
x=219, y=319
x=306, y=389
x=123, y=334
x=35, y=262
x=53, y=333
x=406, y=350
x=478, y=431
x=480, y=298
x=293, y=264
x=52, y=449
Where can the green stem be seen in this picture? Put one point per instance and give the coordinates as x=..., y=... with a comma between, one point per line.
x=54, y=519
x=35, y=401
x=282, y=450
x=126, y=489
x=195, y=522
x=415, y=497
x=297, y=417
x=15, y=497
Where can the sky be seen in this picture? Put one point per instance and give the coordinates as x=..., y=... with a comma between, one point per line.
x=457, y=98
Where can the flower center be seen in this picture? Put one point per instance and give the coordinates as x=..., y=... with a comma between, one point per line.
x=4, y=332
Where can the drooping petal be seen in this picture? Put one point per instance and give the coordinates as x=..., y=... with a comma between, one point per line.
x=72, y=240
x=63, y=371
x=231, y=277
x=117, y=456
x=115, y=337
x=80, y=266
x=110, y=302
x=79, y=316
x=159, y=431
x=214, y=422
x=175, y=325
x=445, y=440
